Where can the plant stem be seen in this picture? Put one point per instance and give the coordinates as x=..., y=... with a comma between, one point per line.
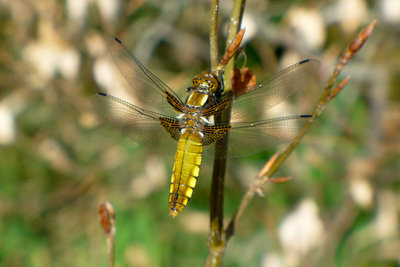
x=214, y=34
x=216, y=240
x=350, y=51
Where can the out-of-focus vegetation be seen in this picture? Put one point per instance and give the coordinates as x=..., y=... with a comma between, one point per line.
x=59, y=159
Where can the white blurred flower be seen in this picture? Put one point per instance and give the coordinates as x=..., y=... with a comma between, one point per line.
x=77, y=10
x=95, y=44
x=390, y=10
x=49, y=59
x=362, y=192
x=110, y=80
x=104, y=73
x=51, y=55
x=308, y=27
x=10, y=107
x=387, y=220
x=108, y=8
x=7, y=125
x=352, y=14
x=301, y=231
x=360, y=189
x=272, y=260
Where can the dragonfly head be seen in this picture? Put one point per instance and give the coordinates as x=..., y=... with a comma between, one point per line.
x=206, y=82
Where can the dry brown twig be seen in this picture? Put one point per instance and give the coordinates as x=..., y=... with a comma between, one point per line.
x=216, y=237
x=231, y=50
x=107, y=222
x=329, y=93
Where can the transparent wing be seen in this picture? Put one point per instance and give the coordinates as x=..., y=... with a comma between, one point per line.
x=145, y=127
x=257, y=133
x=253, y=137
x=252, y=102
x=146, y=86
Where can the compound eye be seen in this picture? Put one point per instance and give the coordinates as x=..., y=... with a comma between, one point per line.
x=195, y=83
x=213, y=85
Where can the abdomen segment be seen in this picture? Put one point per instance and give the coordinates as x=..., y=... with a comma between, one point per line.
x=185, y=172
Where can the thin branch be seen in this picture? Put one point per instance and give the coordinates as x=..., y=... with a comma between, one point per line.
x=350, y=51
x=107, y=222
x=254, y=187
x=327, y=95
x=338, y=88
x=216, y=240
x=233, y=28
x=214, y=34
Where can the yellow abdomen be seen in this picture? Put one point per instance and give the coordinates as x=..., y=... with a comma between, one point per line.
x=185, y=172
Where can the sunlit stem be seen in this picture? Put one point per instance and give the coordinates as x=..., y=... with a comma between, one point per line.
x=217, y=241
x=214, y=34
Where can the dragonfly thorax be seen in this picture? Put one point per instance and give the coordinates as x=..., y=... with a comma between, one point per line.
x=192, y=122
x=205, y=82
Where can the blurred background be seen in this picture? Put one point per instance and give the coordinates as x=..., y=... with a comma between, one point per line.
x=59, y=159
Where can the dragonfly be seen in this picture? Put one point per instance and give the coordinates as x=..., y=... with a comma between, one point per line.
x=189, y=127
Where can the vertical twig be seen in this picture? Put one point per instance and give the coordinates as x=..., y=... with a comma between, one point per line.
x=107, y=222
x=217, y=241
x=214, y=34
x=216, y=195
x=215, y=238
